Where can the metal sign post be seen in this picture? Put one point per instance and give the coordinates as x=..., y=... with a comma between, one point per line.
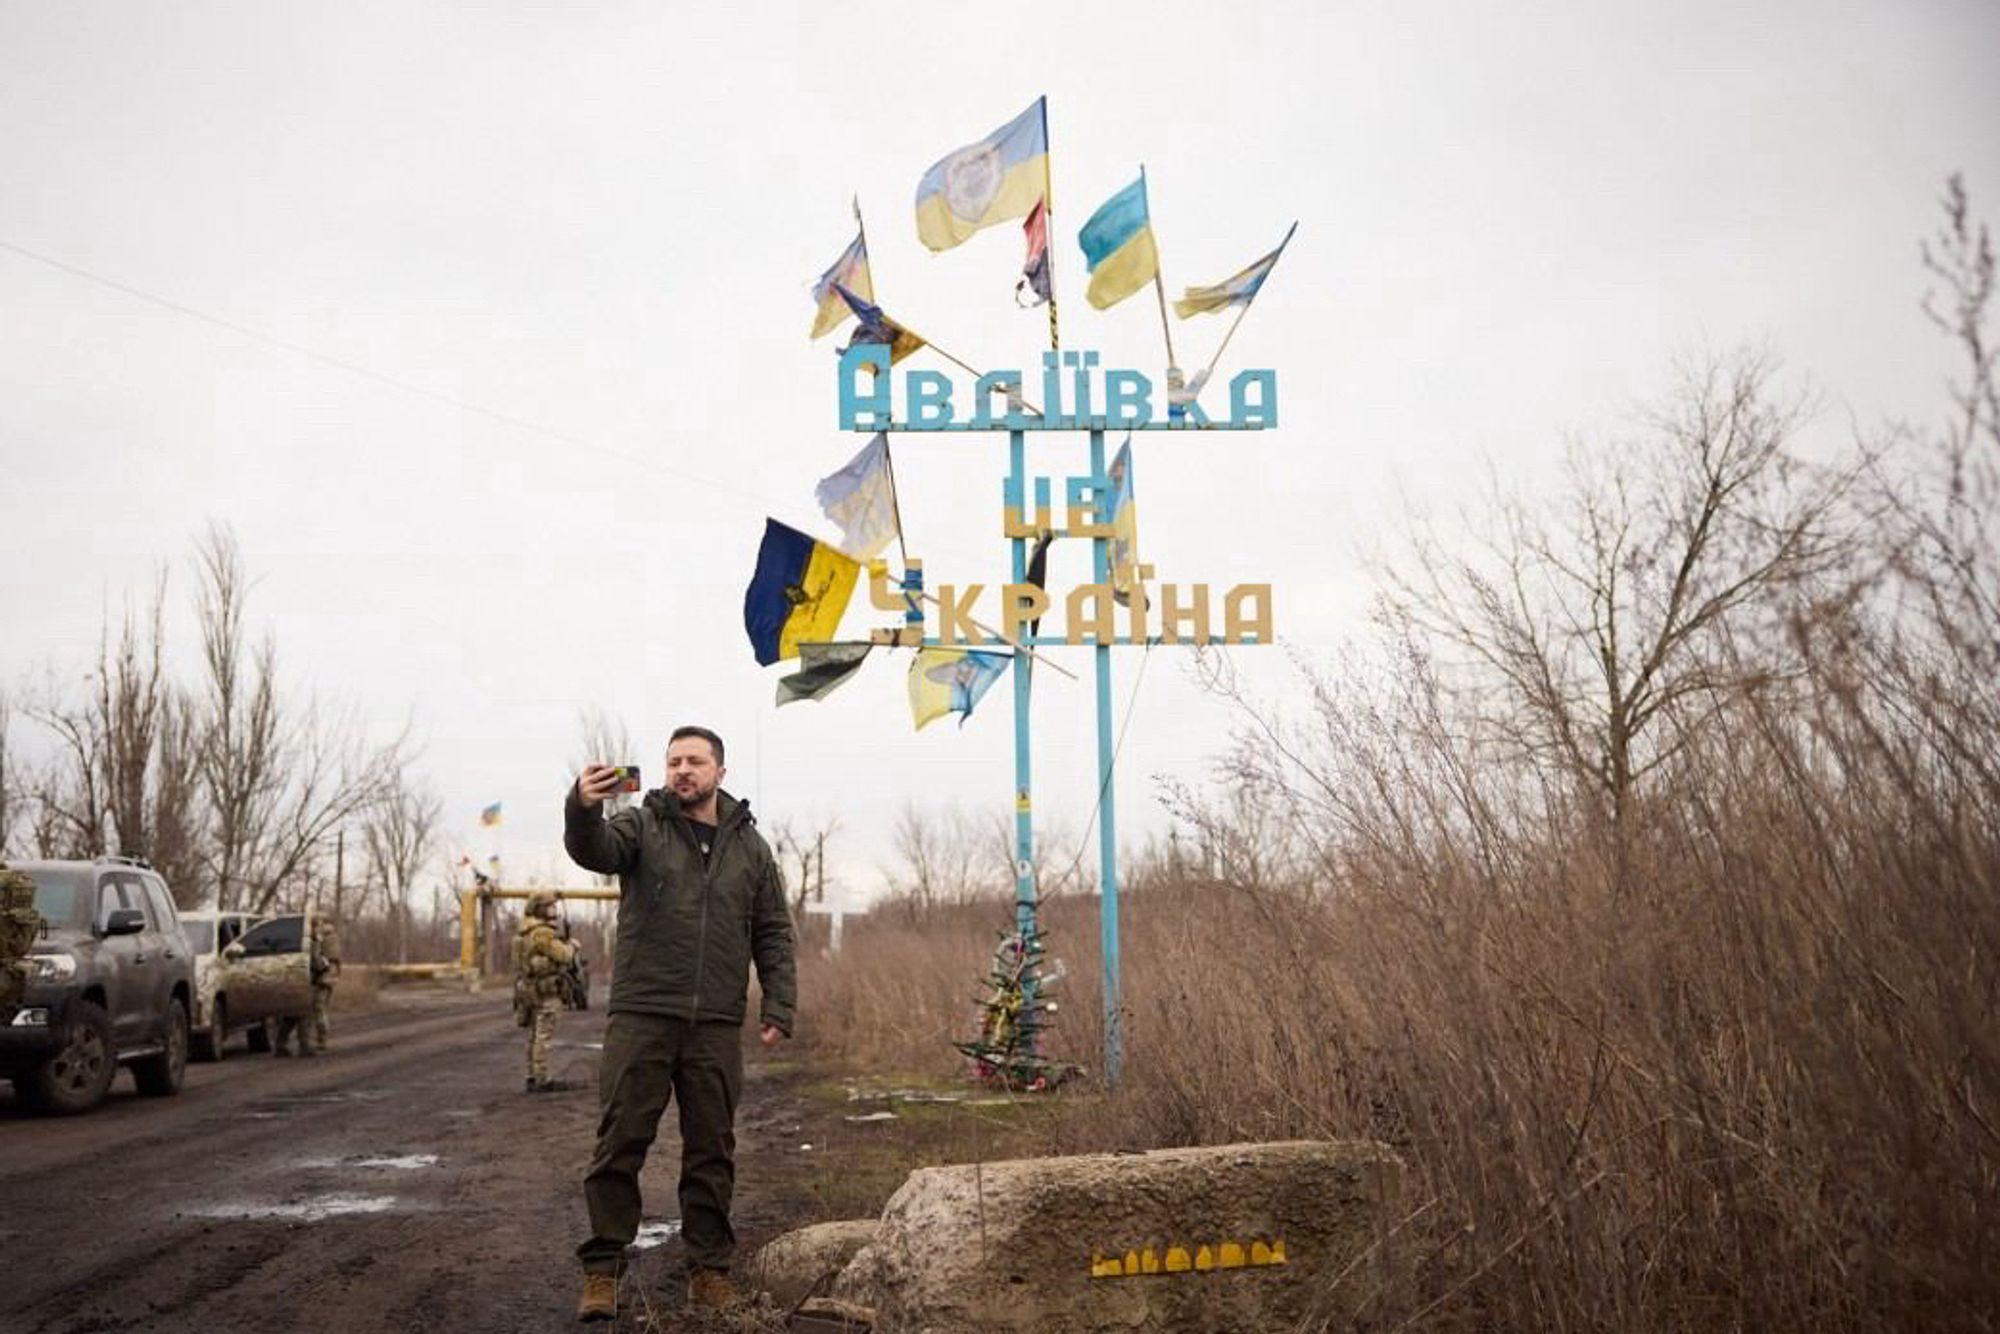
x=1089, y=501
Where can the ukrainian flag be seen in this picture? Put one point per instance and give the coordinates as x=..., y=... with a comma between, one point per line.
x=994, y=180
x=798, y=593
x=1118, y=245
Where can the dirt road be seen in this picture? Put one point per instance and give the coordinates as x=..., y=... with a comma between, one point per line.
x=400, y=1182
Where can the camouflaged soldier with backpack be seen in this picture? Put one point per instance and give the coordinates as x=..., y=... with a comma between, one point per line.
x=541, y=982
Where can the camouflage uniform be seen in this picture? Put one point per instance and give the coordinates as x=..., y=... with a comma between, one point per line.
x=540, y=956
x=20, y=925
x=289, y=1024
x=326, y=969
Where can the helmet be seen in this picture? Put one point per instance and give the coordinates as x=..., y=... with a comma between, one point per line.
x=542, y=903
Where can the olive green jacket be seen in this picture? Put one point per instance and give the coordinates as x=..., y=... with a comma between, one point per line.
x=688, y=933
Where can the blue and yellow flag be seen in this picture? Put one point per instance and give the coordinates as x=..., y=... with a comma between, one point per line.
x=849, y=271
x=873, y=326
x=1118, y=246
x=861, y=498
x=490, y=815
x=798, y=593
x=950, y=680
x=1239, y=289
x=1124, y=526
x=1000, y=177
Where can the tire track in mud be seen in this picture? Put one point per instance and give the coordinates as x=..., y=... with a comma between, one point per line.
x=204, y=1211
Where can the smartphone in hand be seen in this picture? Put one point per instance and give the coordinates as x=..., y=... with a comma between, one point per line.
x=628, y=777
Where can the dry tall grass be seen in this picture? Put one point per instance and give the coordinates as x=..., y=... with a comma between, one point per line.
x=1711, y=1050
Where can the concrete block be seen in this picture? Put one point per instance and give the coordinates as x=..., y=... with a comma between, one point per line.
x=1236, y=1237
x=790, y=1266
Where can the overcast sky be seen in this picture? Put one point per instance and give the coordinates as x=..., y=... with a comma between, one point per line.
x=597, y=224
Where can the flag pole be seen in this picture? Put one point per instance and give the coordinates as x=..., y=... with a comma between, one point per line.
x=1214, y=360
x=1159, y=287
x=967, y=367
x=862, y=227
x=895, y=506
x=1048, y=228
x=1020, y=648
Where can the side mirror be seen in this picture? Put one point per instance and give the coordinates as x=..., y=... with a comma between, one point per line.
x=232, y=951
x=125, y=922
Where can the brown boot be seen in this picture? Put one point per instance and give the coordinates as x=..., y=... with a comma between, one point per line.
x=711, y=1288
x=600, y=1298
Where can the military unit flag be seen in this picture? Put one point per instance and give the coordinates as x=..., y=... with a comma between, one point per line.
x=950, y=680
x=849, y=271
x=798, y=593
x=999, y=178
x=872, y=326
x=1239, y=289
x=823, y=668
x=861, y=498
x=1118, y=246
x=1035, y=271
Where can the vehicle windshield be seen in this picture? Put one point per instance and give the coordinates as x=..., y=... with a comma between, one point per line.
x=200, y=936
x=62, y=895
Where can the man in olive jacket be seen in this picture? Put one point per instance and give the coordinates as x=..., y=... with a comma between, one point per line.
x=700, y=900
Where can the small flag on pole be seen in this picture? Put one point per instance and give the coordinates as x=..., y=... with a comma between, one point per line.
x=1118, y=246
x=490, y=815
x=1124, y=527
x=849, y=271
x=861, y=498
x=1239, y=289
x=873, y=326
x=1035, y=272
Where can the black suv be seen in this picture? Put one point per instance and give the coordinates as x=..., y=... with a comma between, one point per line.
x=108, y=983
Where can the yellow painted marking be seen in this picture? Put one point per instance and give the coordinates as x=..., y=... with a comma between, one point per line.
x=1203, y=1258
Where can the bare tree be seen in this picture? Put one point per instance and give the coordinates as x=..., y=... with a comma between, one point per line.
x=238, y=753
x=175, y=825
x=280, y=779
x=802, y=854
x=1596, y=622
x=11, y=793
x=400, y=833
x=947, y=857
x=96, y=794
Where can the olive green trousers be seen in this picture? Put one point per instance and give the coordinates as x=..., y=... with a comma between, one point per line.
x=649, y=1061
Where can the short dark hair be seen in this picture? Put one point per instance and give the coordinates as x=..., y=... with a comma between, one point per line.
x=714, y=741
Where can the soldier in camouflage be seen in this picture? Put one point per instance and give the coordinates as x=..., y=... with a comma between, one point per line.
x=326, y=967
x=20, y=926
x=540, y=957
x=303, y=1025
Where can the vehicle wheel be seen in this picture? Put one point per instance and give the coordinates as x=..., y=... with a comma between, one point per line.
x=160, y=1076
x=208, y=1043
x=257, y=1037
x=75, y=1078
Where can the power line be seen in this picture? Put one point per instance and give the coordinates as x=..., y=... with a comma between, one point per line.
x=379, y=377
